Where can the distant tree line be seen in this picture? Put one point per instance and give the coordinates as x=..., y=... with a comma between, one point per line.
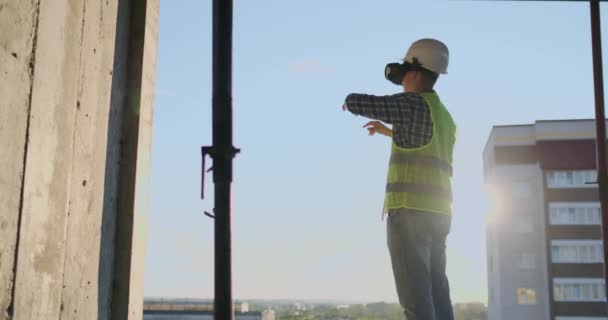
x=370, y=311
x=471, y=311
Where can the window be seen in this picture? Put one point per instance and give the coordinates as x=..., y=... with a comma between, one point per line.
x=527, y=261
x=571, y=179
x=577, y=251
x=574, y=213
x=522, y=224
x=526, y=296
x=578, y=289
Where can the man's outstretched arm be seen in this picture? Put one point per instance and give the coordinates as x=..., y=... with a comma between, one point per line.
x=384, y=108
x=407, y=112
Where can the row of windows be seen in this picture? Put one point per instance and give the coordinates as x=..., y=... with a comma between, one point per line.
x=574, y=213
x=562, y=251
x=571, y=179
x=563, y=213
x=573, y=289
x=565, y=251
x=577, y=251
x=558, y=180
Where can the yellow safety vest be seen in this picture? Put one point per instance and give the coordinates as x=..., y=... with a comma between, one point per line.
x=421, y=178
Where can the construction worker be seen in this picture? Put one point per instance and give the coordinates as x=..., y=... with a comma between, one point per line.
x=418, y=197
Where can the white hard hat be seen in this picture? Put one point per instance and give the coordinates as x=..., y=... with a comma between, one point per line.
x=430, y=54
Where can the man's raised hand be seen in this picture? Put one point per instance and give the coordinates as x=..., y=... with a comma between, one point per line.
x=374, y=127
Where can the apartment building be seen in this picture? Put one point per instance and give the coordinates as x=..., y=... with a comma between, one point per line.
x=544, y=248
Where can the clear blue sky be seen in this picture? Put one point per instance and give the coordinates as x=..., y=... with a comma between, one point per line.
x=309, y=182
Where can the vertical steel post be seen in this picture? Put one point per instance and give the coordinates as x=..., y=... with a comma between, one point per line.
x=600, y=124
x=222, y=153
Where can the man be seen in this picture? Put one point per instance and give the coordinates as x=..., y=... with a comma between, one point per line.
x=418, y=192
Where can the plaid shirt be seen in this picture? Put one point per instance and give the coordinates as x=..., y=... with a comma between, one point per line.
x=406, y=111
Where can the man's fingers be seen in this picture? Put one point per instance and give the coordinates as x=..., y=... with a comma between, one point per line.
x=371, y=124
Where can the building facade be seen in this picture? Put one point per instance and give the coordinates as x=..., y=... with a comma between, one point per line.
x=268, y=314
x=543, y=235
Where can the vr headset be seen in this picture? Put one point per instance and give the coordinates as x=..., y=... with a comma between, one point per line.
x=394, y=72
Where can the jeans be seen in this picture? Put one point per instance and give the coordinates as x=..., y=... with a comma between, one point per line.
x=416, y=242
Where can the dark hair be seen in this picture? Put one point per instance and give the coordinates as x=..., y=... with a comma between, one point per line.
x=429, y=76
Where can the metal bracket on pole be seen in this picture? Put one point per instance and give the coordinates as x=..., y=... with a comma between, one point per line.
x=204, y=152
x=214, y=154
x=210, y=150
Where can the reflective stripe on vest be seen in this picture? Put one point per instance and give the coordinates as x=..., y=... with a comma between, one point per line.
x=429, y=161
x=446, y=194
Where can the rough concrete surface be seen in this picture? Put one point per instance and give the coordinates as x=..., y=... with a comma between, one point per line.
x=81, y=294
x=46, y=189
x=17, y=35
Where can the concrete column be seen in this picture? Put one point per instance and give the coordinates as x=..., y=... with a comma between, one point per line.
x=77, y=81
x=138, y=53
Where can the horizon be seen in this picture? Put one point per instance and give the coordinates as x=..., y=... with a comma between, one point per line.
x=288, y=301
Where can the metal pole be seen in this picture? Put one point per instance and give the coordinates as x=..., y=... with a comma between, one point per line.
x=222, y=153
x=600, y=125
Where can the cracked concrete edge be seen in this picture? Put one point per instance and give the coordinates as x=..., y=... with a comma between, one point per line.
x=18, y=24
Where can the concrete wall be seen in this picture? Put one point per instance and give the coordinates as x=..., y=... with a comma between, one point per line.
x=66, y=108
x=511, y=242
x=517, y=193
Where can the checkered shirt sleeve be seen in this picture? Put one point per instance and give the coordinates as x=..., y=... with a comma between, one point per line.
x=407, y=112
